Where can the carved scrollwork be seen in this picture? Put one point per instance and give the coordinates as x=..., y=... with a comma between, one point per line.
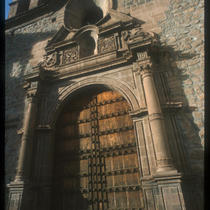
x=137, y=34
x=106, y=44
x=145, y=69
x=70, y=55
x=125, y=35
x=50, y=60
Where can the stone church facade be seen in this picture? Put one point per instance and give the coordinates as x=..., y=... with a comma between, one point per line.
x=104, y=104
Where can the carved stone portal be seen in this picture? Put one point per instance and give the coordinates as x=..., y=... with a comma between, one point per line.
x=121, y=157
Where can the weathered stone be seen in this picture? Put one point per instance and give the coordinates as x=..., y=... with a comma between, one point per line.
x=180, y=25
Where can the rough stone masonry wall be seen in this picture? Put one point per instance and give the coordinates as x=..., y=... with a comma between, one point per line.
x=180, y=25
x=24, y=49
x=183, y=33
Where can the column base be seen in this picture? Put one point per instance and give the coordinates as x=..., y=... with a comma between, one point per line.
x=164, y=191
x=168, y=170
x=17, y=191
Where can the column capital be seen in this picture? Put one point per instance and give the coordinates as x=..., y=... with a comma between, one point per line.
x=143, y=65
x=31, y=88
x=145, y=69
x=31, y=96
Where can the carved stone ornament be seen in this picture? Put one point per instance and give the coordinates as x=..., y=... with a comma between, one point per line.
x=50, y=60
x=26, y=85
x=144, y=61
x=125, y=35
x=70, y=55
x=106, y=44
x=137, y=34
x=145, y=69
x=143, y=65
x=31, y=95
x=143, y=56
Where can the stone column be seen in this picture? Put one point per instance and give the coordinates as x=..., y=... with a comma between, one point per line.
x=163, y=156
x=19, y=191
x=28, y=128
x=163, y=189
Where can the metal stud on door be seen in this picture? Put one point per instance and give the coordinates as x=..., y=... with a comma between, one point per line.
x=96, y=164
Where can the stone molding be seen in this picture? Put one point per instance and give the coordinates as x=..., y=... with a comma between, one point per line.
x=62, y=61
x=111, y=83
x=113, y=48
x=138, y=114
x=44, y=128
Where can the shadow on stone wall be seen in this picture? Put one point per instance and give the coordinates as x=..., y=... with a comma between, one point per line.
x=17, y=57
x=115, y=4
x=165, y=59
x=19, y=49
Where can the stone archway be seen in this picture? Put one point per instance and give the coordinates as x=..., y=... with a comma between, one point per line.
x=96, y=158
x=67, y=92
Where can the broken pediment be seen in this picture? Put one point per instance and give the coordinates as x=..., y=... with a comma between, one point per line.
x=114, y=17
x=79, y=13
x=112, y=32
x=112, y=20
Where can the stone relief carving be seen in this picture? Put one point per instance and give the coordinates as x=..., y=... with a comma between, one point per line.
x=142, y=56
x=120, y=41
x=143, y=64
x=50, y=60
x=70, y=55
x=106, y=44
x=136, y=34
x=62, y=57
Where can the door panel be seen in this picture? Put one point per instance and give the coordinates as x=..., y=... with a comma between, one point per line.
x=96, y=164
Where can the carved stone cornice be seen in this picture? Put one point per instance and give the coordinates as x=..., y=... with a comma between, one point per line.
x=115, y=43
x=86, y=66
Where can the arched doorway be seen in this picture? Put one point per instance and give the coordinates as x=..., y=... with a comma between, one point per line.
x=95, y=161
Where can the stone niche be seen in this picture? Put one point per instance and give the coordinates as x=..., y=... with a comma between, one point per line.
x=79, y=13
x=87, y=39
x=84, y=15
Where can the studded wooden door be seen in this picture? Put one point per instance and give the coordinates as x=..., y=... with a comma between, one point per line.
x=96, y=162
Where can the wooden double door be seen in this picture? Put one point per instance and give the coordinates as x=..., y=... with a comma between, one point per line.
x=96, y=163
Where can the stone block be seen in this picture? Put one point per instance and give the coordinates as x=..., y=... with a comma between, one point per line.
x=33, y=4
